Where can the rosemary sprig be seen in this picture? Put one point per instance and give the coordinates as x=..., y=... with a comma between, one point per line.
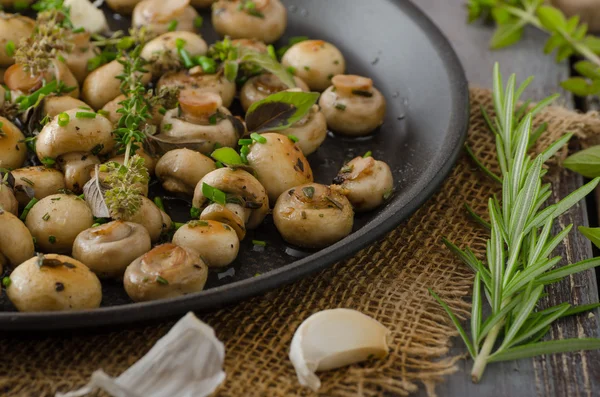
x=567, y=36
x=519, y=262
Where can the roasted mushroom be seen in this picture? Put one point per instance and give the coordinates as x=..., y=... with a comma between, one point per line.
x=77, y=167
x=160, y=16
x=259, y=87
x=13, y=28
x=53, y=105
x=56, y=220
x=40, y=181
x=108, y=249
x=163, y=52
x=102, y=85
x=185, y=80
x=13, y=151
x=16, y=242
x=180, y=170
x=352, y=106
x=53, y=282
x=279, y=164
x=215, y=242
x=315, y=62
x=247, y=202
x=77, y=60
x=149, y=161
x=8, y=202
x=310, y=131
x=366, y=182
x=264, y=20
x=124, y=7
x=201, y=117
x=152, y=218
x=166, y=271
x=19, y=80
x=313, y=216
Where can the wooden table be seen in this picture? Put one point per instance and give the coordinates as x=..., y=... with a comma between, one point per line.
x=576, y=374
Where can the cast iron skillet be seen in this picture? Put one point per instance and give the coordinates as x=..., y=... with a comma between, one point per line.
x=414, y=66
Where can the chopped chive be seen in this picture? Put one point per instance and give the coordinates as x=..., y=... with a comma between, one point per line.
x=84, y=107
x=293, y=138
x=97, y=149
x=172, y=26
x=85, y=115
x=195, y=212
x=178, y=225
x=179, y=43
x=162, y=111
x=368, y=154
x=48, y=161
x=259, y=242
x=79, y=30
x=207, y=64
x=243, y=142
x=63, y=119
x=198, y=21
x=46, y=216
x=271, y=51
x=96, y=225
x=167, y=127
x=387, y=194
x=186, y=58
x=214, y=194
x=291, y=70
x=10, y=48
x=161, y=280
x=6, y=282
x=258, y=138
x=364, y=93
x=103, y=112
x=198, y=223
x=245, y=150
x=308, y=191
x=51, y=239
x=226, y=155
x=27, y=181
x=159, y=203
x=340, y=106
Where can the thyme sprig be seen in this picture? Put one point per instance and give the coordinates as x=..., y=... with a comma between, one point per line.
x=567, y=36
x=519, y=261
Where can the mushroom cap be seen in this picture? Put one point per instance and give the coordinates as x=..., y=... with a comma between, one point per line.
x=109, y=248
x=311, y=131
x=279, y=164
x=164, y=272
x=251, y=44
x=79, y=135
x=13, y=28
x=166, y=44
x=216, y=83
x=156, y=15
x=13, y=150
x=44, y=182
x=82, y=52
x=77, y=167
x=229, y=20
x=56, y=220
x=259, y=87
x=101, y=85
x=8, y=202
x=366, y=182
x=227, y=216
x=313, y=216
x=61, y=283
x=215, y=242
x=149, y=161
x=152, y=218
x=315, y=62
x=180, y=170
x=16, y=242
x=53, y=105
x=124, y=7
x=353, y=112
x=237, y=183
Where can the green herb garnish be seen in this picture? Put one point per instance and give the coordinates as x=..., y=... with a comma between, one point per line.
x=63, y=119
x=258, y=138
x=214, y=194
x=85, y=115
x=172, y=26
x=161, y=280
x=308, y=191
x=52, y=239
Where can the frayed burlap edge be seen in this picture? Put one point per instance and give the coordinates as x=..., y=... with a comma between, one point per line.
x=387, y=281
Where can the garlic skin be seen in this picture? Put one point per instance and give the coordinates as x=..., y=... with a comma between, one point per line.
x=335, y=338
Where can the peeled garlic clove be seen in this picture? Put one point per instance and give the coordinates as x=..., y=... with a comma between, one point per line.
x=84, y=14
x=335, y=338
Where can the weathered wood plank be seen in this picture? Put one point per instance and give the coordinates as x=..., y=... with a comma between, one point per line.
x=574, y=374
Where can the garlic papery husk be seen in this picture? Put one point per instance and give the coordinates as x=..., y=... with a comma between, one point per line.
x=187, y=362
x=335, y=338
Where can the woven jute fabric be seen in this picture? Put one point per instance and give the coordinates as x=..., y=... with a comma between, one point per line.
x=387, y=281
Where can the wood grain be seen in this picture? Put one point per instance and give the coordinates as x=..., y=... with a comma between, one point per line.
x=572, y=374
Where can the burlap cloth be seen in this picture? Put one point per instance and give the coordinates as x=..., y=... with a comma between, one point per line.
x=388, y=281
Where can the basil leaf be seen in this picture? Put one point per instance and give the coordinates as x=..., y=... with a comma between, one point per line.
x=267, y=63
x=592, y=234
x=227, y=156
x=586, y=162
x=279, y=111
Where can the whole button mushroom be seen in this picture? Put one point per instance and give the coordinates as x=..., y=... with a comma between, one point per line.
x=366, y=182
x=180, y=170
x=124, y=7
x=160, y=16
x=166, y=271
x=56, y=220
x=152, y=218
x=41, y=180
x=102, y=85
x=264, y=20
x=54, y=105
x=108, y=249
x=200, y=117
x=77, y=167
x=251, y=44
x=313, y=216
x=315, y=62
x=279, y=164
x=259, y=87
x=216, y=242
x=77, y=60
x=247, y=199
x=352, y=106
x=13, y=28
x=53, y=282
x=8, y=202
x=16, y=242
x=310, y=131
x=185, y=80
x=149, y=161
x=13, y=151
x=163, y=52
x=18, y=79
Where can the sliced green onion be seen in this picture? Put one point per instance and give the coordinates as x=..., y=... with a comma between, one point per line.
x=85, y=115
x=291, y=70
x=243, y=142
x=179, y=43
x=309, y=191
x=259, y=242
x=97, y=149
x=79, y=30
x=10, y=48
x=185, y=58
x=63, y=119
x=368, y=154
x=6, y=282
x=293, y=138
x=159, y=203
x=271, y=51
x=103, y=112
x=245, y=150
x=198, y=21
x=48, y=161
x=214, y=194
x=227, y=155
x=207, y=64
x=258, y=138
x=46, y=217
x=195, y=212
x=172, y=26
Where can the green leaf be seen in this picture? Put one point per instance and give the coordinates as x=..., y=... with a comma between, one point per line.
x=580, y=309
x=501, y=16
x=214, y=194
x=579, y=33
x=497, y=318
x=279, y=111
x=565, y=271
x=592, y=234
x=593, y=43
x=555, y=41
x=456, y=323
x=231, y=70
x=585, y=162
x=476, y=310
x=588, y=69
x=565, y=204
x=486, y=170
x=555, y=147
x=549, y=347
x=551, y=18
x=227, y=156
x=564, y=52
x=552, y=244
x=267, y=63
x=528, y=275
x=521, y=316
x=496, y=260
x=507, y=34
x=477, y=218
x=541, y=324
x=581, y=86
x=572, y=24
